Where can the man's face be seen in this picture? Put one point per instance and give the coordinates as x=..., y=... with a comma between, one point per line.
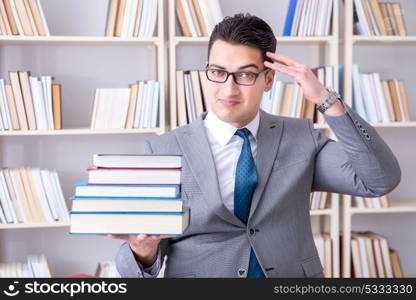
x=233, y=103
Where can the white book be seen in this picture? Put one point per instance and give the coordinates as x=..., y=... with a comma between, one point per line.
x=151, y=24
x=46, y=208
x=363, y=257
x=42, y=15
x=40, y=116
x=328, y=18
x=19, y=198
x=126, y=19
x=188, y=17
x=144, y=18
x=47, y=97
x=120, y=107
x=49, y=192
x=152, y=85
x=132, y=19
x=320, y=18
x=16, y=18
x=136, y=161
x=143, y=105
x=188, y=97
x=374, y=96
x=94, y=109
x=312, y=19
x=277, y=97
x=64, y=214
x=361, y=18
x=381, y=99
x=5, y=112
x=216, y=11
x=126, y=191
x=207, y=15
x=139, y=105
x=108, y=113
x=359, y=103
x=400, y=100
x=156, y=105
x=298, y=14
x=368, y=100
x=5, y=201
x=15, y=203
x=294, y=100
x=146, y=103
x=303, y=20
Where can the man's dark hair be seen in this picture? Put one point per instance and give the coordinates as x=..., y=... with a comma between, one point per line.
x=245, y=29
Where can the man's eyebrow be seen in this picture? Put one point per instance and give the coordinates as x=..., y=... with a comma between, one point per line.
x=240, y=68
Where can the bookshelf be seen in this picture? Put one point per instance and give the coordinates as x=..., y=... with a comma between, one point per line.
x=81, y=58
x=400, y=204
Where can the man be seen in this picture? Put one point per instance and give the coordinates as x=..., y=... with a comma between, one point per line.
x=247, y=175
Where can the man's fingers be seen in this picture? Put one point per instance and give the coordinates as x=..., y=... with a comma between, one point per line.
x=283, y=59
x=280, y=68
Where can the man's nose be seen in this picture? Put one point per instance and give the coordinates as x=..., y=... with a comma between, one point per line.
x=230, y=87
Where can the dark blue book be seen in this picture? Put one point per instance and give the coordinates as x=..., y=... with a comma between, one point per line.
x=290, y=16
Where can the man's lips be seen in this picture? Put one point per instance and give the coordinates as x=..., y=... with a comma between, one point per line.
x=228, y=102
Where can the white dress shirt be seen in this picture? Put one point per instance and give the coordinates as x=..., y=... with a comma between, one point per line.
x=226, y=148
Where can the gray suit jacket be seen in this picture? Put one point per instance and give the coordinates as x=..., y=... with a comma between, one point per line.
x=293, y=159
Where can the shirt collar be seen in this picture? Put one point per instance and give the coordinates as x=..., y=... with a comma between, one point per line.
x=223, y=131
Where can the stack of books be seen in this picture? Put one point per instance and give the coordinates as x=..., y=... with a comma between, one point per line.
x=372, y=257
x=372, y=18
x=130, y=194
x=30, y=103
x=308, y=18
x=134, y=107
x=31, y=195
x=35, y=267
x=131, y=18
x=22, y=17
x=377, y=100
x=197, y=18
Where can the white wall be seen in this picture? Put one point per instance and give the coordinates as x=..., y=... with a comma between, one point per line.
x=81, y=69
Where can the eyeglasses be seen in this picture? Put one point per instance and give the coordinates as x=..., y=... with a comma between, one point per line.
x=240, y=77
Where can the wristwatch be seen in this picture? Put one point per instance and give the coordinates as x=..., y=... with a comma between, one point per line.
x=333, y=96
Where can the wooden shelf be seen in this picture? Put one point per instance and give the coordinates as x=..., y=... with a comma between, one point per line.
x=360, y=39
x=90, y=40
x=280, y=39
x=34, y=225
x=80, y=131
x=322, y=212
x=396, y=206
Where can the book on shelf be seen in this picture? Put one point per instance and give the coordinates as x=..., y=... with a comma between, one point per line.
x=372, y=257
x=308, y=18
x=30, y=103
x=31, y=195
x=320, y=200
x=375, y=202
x=379, y=100
x=286, y=99
x=154, y=205
x=36, y=266
x=323, y=245
x=134, y=107
x=197, y=18
x=376, y=18
x=131, y=18
x=22, y=17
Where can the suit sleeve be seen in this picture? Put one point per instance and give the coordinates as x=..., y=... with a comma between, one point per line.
x=359, y=164
x=126, y=263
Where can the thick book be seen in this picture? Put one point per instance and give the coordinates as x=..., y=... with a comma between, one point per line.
x=151, y=223
x=133, y=176
x=136, y=161
x=93, y=204
x=123, y=191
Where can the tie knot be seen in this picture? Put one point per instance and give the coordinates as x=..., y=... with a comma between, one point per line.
x=243, y=133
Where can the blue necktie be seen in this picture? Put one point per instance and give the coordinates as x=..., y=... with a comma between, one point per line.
x=245, y=184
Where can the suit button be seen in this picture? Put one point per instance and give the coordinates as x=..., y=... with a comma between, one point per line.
x=367, y=137
x=252, y=231
x=241, y=272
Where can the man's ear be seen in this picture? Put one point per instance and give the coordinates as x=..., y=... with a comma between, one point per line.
x=269, y=80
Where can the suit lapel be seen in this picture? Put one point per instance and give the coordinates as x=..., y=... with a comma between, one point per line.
x=198, y=155
x=268, y=141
